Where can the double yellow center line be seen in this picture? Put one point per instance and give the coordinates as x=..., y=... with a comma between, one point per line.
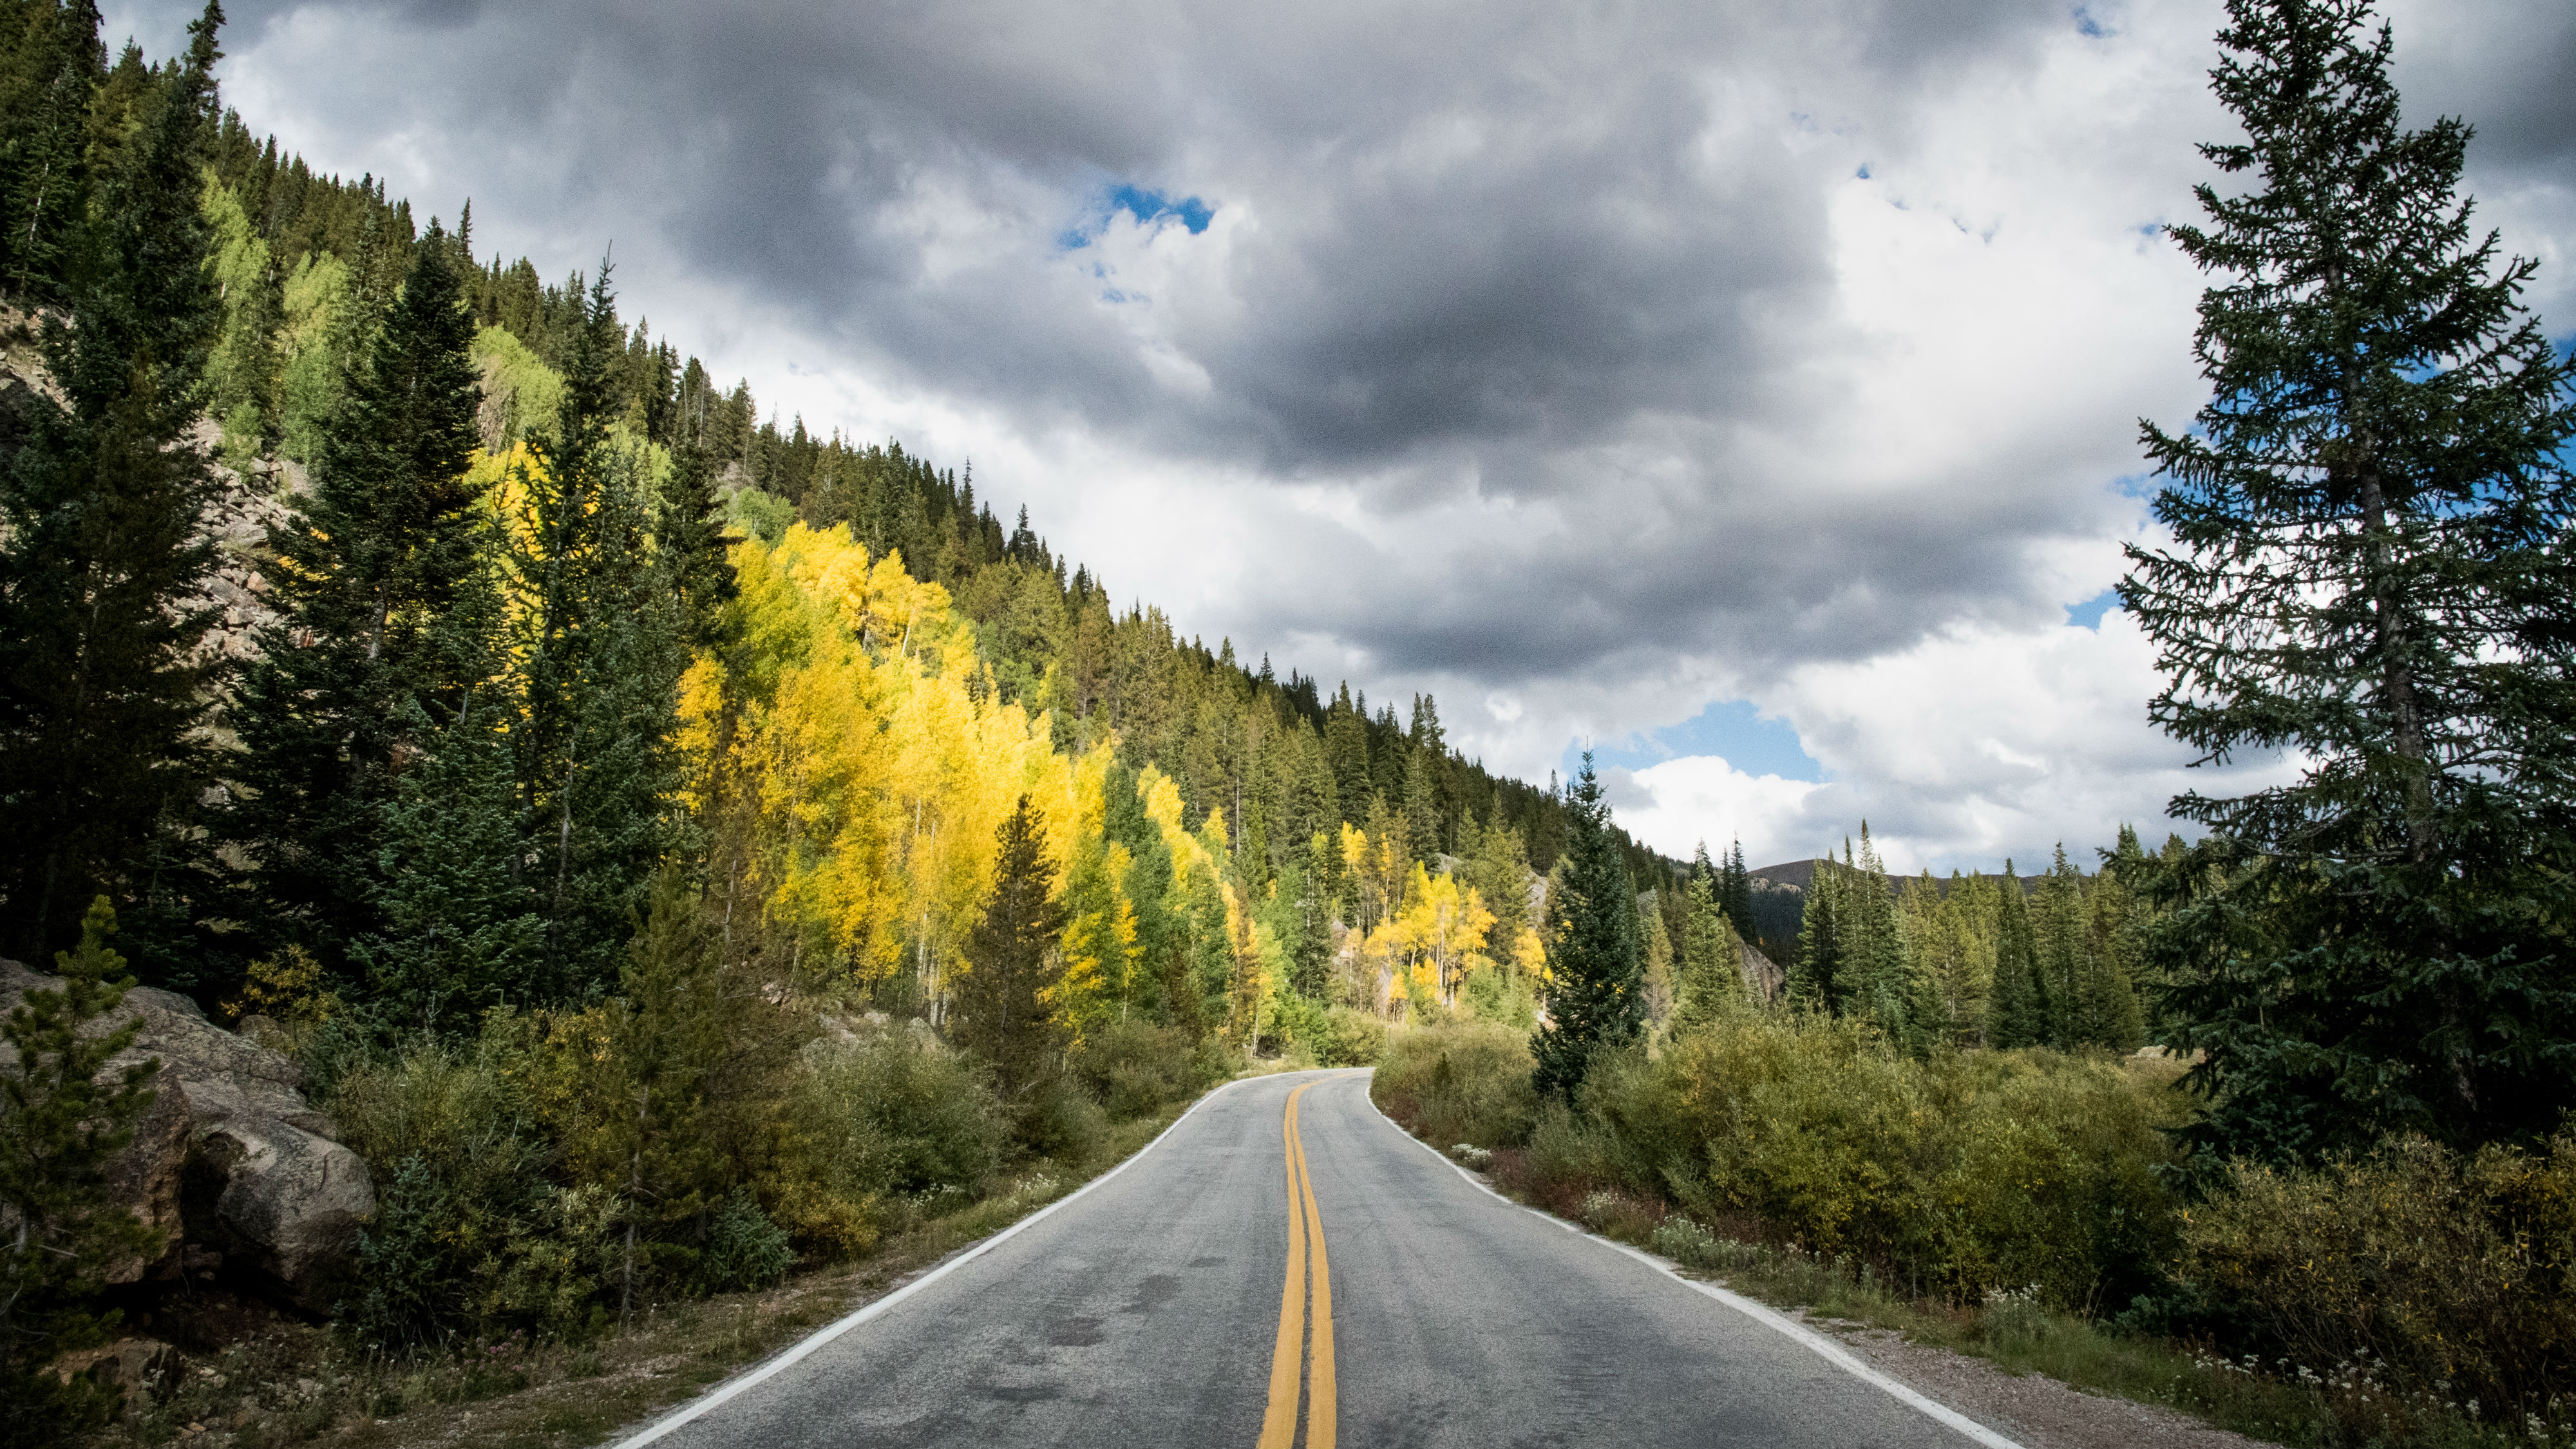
x=1305, y=1229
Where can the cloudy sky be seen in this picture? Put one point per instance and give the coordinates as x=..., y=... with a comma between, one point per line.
x=1747, y=390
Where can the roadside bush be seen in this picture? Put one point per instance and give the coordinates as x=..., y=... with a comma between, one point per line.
x=2457, y=1274
x=1299, y=1024
x=744, y=1248
x=895, y=1113
x=1459, y=1081
x=1350, y=1038
x=1135, y=1068
x=461, y=1178
x=1959, y=1174
x=1061, y=1121
x=1955, y=1175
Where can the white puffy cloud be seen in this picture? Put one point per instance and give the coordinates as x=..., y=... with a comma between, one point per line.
x=1980, y=743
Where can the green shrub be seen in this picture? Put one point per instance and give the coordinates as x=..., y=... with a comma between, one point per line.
x=1136, y=1068
x=1297, y=1023
x=1061, y=1121
x=893, y=1113
x=1961, y=1173
x=744, y=1249
x=461, y=1177
x=1459, y=1081
x=1955, y=1175
x=2447, y=1270
x=1350, y=1038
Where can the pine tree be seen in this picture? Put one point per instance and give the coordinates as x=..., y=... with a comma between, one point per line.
x=1661, y=984
x=1735, y=891
x=50, y=64
x=462, y=927
x=375, y=556
x=598, y=770
x=2371, y=570
x=1594, y=955
x=2063, y=956
x=1711, y=975
x=101, y=685
x=2020, y=1011
x=59, y=1125
x=1820, y=973
x=1881, y=984
x=1012, y=961
x=688, y=528
x=1310, y=948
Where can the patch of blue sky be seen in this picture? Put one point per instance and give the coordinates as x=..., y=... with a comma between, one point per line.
x=2088, y=615
x=2087, y=25
x=1146, y=205
x=1735, y=731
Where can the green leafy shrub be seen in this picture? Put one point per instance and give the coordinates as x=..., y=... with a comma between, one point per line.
x=461, y=1171
x=1350, y=1038
x=2456, y=1273
x=1459, y=1081
x=744, y=1248
x=1135, y=1068
x=1060, y=1120
x=1960, y=1173
x=1953, y=1174
x=894, y=1113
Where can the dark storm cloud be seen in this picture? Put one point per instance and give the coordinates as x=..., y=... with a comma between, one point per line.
x=2506, y=66
x=1480, y=226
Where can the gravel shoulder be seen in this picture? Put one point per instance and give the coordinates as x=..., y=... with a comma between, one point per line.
x=2037, y=1410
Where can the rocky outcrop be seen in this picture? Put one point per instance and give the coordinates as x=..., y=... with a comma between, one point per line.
x=230, y=1164
x=238, y=517
x=1763, y=978
x=130, y=1366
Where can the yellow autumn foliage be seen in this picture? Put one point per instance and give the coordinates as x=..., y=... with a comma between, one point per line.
x=872, y=761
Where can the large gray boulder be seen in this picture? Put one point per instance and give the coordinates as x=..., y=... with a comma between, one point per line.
x=230, y=1159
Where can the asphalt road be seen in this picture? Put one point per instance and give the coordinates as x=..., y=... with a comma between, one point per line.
x=1157, y=1309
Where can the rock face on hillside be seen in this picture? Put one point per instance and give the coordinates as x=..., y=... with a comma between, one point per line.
x=229, y=1164
x=1763, y=977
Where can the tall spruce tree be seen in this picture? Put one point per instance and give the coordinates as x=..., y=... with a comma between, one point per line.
x=2371, y=567
x=50, y=64
x=1820, y=973
x=602, y=642
x=1711, y=976
x=460, y=926
x=375, y=556
x=1012, y=961
x=1595, y=950
x=101, y=680
x=2019, y=1012
x=1735, y=891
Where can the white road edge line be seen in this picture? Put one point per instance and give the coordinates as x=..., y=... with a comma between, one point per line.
x=723, y=1393
x=1771, y=1318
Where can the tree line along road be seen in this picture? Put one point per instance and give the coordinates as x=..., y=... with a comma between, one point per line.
x=1287, y=1267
